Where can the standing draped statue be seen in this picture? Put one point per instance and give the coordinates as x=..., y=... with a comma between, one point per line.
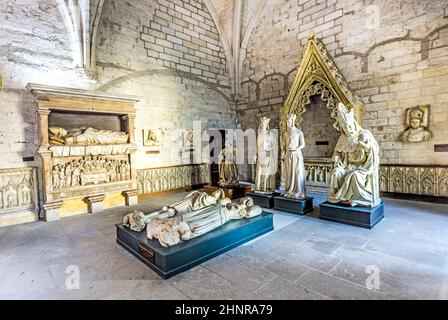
x=228, y=173
x=266, y=171
x=354, y=179
x=294, y=168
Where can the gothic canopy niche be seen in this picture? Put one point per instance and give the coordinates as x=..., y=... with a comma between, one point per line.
x=86, y=150
x=317, y=75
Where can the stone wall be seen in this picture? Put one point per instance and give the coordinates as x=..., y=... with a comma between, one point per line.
x=393, y=54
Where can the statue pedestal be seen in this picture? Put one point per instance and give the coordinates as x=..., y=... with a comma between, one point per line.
x=364, y=217
x=170, y=261
x=237, y=191
x=295, y=206
x=263, y=200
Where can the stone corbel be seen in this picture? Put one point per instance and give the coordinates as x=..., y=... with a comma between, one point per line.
x=95, y=203
x=82, y=19
x=130, y=197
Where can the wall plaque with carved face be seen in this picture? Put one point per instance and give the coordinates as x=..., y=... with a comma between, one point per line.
x=417, y=122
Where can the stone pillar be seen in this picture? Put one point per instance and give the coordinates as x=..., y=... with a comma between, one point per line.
x=52, y=210
x=129, y=121
x=95, y=203
x=131, y=197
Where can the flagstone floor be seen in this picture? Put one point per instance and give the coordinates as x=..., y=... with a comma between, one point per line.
x=404, y=257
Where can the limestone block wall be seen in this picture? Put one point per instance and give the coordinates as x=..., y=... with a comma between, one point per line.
x=394, y=55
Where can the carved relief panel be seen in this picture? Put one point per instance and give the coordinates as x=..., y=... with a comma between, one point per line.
x=407, y=179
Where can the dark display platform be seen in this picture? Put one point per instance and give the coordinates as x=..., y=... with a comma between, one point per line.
x=262, y=199
x=170, y=261
x=364, y=217
x=296, y=206
x=230, y=192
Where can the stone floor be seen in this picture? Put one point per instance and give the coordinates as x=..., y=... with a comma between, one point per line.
x=304, y=258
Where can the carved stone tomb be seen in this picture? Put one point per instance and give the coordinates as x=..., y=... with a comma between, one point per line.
x=87, y=150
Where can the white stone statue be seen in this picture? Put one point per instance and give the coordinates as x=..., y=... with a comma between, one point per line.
x=354, y=179
x=228, y=172
x=195, y=200
x=85, y=136
x=294, y=168
x=266, y=170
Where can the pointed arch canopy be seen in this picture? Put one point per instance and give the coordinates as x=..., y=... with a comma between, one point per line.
x=317, y=74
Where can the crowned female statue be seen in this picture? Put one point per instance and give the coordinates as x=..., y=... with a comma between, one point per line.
x=228, y=172
x=354, y=179
x=294, y=168
x=266, y=159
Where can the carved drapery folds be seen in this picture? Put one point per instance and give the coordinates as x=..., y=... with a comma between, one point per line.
x=81, y=19
x=421, y=180
x=317, y=75
x=163, y=179
x=77, y=172
x=90, y=170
